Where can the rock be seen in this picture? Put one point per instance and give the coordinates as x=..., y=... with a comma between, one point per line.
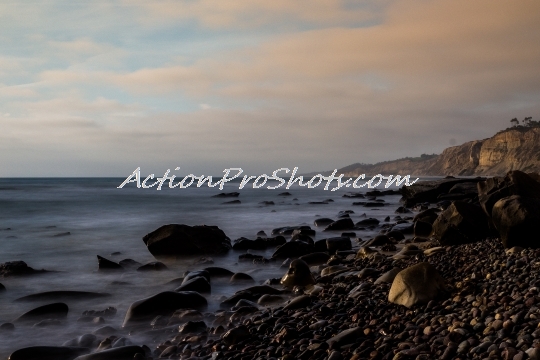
x=188, y=275
x=302, y=237
x=323, y=222
x=378, y=240
x=417, y=284
x=85, y=341
x=62, y=295
x=163, y=303
x=434, y=250
x=247, y=244
x=428, y=191
x=368, y=222
x=304, y=231
x=236, y=335
x=184, y=240
x=231, y=194
x=316, y=258
x=337, y=244
x=514, y=183
x=192, y=327
x=388, y=276
x=199, y=284
x=153, y=266
x=7, y=327
x=119, y=353
x=17, y=268
x=404, y=228
x=104, y=264
x=517, y=220
x=2, y=287
x=429, y=216
x=214, y=271
x=341, y=224
x=345, y=337
x=397, y=235
x=293, y=249
x=268, y=299
x=240, y=278
x=129, y=264
x=365, y=252
x=48, y=353
x=422, y=229
x=50, y=311
x=461, y=223
x=297, y=275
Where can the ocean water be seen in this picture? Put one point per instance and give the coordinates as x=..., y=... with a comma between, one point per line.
x=102, y=219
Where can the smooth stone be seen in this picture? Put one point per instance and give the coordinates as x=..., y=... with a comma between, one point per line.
x=298, y=274
x=240, y=278
x=17, y=268
x=235, y=335
x=163, y=304
x=2, y=287
x=153, y=266
x=517, y=219
x=461, y=223
x=341, y=224
x=119, y=353
x=193, y=274
x=365, y=252
x=268, y=299
x=323, y=222
x=422, y=229
x=333, y=269
x=50, y=311
x=105, y=264
x=298, y=302
x=129, y=264
x=198, y=284
x=293, y=249
x=348, y=336
x=434, y=250
x=338, y=243
x=316, y=258
x=417, y=284
x=214, y=271
x=48, y=353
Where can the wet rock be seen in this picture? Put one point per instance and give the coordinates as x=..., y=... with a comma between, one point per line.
x=316, y=258
x=422, y=229
x=428, y=191
x=199, y=284
x=378, y=240
x=105, y=264
x=7, y=327
x=50, y=311
x=108, y=312
x=85, y=341
x=224, y=195
x=192, y=327
x=368, y=222
x=17, y=268
x=214, y=271
x=119, y=353
x=337, y=244
x=323, y=222
x=63, y=295
x=348, y=336
x=461, y=223
x=2, y=288
x=415, y=285
x=184, y=240
x=396, y=235
x=517, y=219
x=404, y=228
x=188, y=275
x=341, y=224
x=153, y=266
x=429, y=216
x=236, y=335
x=293, y=249
x=297, y=275
x=163, y=304
x=366, y=252
x=267, y=300
x=302, y=237
x=129, y=264
x=240, y=278
x=298, y=302
x=48, y=353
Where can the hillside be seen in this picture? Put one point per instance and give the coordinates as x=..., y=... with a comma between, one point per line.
x=516, y=148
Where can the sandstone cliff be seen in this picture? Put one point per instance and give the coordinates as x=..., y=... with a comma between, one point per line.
x=517, y=148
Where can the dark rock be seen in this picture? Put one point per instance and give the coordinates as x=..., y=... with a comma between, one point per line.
x=188, y=275
x=397, y=235
x=192, y=327
x=163, y=303
x=422, y=229
x=368, y=222
x=17, y=268
x=286, y=193
x=348, y=234
x=316, y=258
x=429, y=216
x=2, y=288
x=517, y=219
x=297, y=275
x=267, y=203
x=304, y=231
x=231, y=194
x=231, y=202
x=48, y=353
x=337, y=244
x=239, y=278
x=129, y=264
x=348, y=336
x=514, y=183
x=461, y=223
x=428, y=191
x=404, y=228
x=378, y=240
x=247, y=244
x=341, y=224
x=236, y=335
x=214, y=271
x=199, y=284
x=302, y=237
x=293, y=249
x=153, y=266
x=50, y=311
x=322, y=222
x=118, y=353
x=184, y=240
x=63, y=294
x=353, y=195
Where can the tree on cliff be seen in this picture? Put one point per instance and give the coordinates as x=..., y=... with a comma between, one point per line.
x=514, y=121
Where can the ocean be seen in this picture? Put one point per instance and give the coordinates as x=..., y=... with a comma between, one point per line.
x=61, y=224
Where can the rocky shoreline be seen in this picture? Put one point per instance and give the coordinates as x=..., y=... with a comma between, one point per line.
x=454, y=275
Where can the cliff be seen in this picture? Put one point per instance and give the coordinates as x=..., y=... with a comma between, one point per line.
x=516, y=148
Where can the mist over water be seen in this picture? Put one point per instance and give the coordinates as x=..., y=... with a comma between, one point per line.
x=102, y=219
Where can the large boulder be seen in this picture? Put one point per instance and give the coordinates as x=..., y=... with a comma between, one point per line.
x=517, y=219
x=119, y=353
x=163, y=303
x=184, y=240
x=48, y=353
x=415, y=285
x=429, y=191
x=461, y=223
x=514, y=183
x=293, y=249
x=297, y=275
x=341, y=224
x=17, y=268
x=50, y=311
x=199, y=284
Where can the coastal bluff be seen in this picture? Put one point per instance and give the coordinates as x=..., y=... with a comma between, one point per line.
x=515, y=148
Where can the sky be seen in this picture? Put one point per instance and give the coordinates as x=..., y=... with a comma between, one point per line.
x=99, y=88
